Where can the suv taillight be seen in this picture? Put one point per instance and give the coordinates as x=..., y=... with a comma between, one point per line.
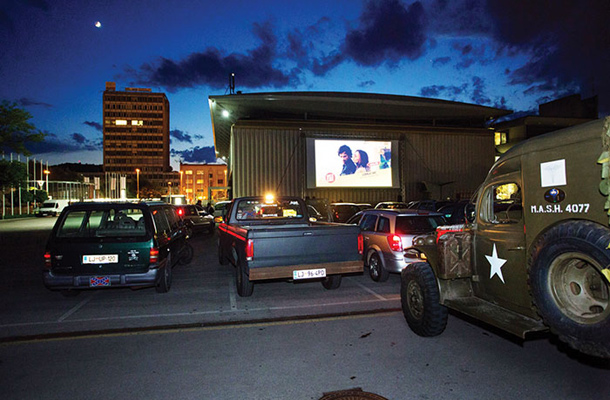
x=395, y=242
x=249, y=250
x=154, y=255
x=47, y=260
x=360, y=243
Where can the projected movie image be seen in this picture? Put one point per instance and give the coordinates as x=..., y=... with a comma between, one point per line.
x=353, y=163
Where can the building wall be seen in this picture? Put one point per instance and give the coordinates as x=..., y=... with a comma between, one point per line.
x=197, y=179
x=136, y=132
x=271, y=157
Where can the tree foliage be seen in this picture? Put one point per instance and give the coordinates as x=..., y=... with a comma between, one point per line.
x=12, y=173
x=15, y=130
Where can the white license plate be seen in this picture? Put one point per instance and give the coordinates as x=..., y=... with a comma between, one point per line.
x=101, y=259
x=309, y=273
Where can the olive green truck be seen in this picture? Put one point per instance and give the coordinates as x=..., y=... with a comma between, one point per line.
x=535, y=252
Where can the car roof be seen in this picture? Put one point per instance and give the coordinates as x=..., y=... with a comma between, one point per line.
x=403, y=212
x=114, y=204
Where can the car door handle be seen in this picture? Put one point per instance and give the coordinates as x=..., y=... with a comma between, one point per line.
x=518, y=248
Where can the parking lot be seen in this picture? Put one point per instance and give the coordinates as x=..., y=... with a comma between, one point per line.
x=203, y=292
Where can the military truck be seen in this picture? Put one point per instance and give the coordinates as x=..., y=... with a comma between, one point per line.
x=534, y=254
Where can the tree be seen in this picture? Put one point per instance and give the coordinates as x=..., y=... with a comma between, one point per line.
x=12, y=173
x=15, y=130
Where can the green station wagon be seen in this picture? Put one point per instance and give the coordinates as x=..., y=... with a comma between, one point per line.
x=97, y=245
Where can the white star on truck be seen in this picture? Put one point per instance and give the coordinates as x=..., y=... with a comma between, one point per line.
x=496, y=264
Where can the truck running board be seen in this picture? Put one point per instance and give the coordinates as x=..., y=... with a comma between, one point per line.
x=495, y=315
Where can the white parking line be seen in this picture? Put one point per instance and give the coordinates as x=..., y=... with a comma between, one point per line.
x=232, y=295
x=75, y=308
x=380, y=297
x=198, y=313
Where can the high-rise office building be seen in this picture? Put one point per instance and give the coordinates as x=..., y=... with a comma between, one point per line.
x=136, y=133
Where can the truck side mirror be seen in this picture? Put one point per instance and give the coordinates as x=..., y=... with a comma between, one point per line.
x=469, y=212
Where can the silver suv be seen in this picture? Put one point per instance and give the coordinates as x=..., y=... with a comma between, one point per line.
x=387, y=233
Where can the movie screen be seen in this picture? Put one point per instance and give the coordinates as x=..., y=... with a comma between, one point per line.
x=351, y=163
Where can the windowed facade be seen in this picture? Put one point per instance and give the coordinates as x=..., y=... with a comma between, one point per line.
x=136, y=132
x=205, y=182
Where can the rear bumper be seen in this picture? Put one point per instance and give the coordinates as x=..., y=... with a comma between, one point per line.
x=52, y=281
x=335, y=268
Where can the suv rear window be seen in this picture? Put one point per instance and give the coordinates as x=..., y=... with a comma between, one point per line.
x=103, y=223
x=417, y=224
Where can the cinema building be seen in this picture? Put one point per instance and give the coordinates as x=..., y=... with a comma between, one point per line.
x=415, y=148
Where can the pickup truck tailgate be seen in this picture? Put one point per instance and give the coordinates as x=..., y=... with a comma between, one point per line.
x=319, y=245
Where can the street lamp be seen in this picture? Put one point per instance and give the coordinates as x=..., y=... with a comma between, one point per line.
x=46, y=173
x=138, y=183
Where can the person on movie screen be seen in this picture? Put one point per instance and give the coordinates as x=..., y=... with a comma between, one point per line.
x=361, y=159
x=348, y=165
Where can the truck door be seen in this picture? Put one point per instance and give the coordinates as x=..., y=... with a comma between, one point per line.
x=499, y=245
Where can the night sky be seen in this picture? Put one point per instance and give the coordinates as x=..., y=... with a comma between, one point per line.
x=511, y=54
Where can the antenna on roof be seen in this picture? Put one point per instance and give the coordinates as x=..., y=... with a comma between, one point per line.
x=232, y=83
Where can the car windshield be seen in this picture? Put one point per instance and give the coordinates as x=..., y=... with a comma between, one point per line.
x=258, y=210
x=417, y=224
x=190, y=210
x=102, y=223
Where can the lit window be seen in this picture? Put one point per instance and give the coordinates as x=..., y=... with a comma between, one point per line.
x=500, y=138
x=136, y=122
x=189, y=172
x=120, y=122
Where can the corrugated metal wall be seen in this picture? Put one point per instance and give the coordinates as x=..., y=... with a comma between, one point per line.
x=268, y=158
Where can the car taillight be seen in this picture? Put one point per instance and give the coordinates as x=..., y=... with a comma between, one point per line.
x=249, y=250
x=47, y=260
x=154, y=255
x=180, y=212
x=360, y=244
x=395, y=242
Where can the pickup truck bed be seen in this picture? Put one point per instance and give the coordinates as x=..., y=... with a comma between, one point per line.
x=289, y=248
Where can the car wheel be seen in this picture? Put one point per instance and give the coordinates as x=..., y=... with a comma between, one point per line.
x=187, y=254
x=376, y=270
x=332, y=282
x=244, y=286
x=420, y=300
x=568, y=288
x=165, y=282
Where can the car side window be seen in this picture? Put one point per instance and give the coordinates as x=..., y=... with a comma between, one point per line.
x=368, y=222
x=172, y=218
x=161, y=224
x=502, y=204
x=384, y=225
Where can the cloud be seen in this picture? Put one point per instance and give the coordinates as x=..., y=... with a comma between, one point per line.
x=474, y=91
x=437, y=62
x=180, y=136
x=388, y=33
x=197, y=154
x=25, y=102
x=54, y=143
x=366, y=84
x=211, y=68
x=97, y=126
x=568, y=45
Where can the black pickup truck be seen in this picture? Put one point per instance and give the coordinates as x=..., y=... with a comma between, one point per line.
x=275, y=239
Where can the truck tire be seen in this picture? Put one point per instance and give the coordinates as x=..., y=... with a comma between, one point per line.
x=420, y=300
x=332, y=282
x=222, y=260
x=244, y=286
x=165, y=281
x=568, y=289
x=377, y=272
